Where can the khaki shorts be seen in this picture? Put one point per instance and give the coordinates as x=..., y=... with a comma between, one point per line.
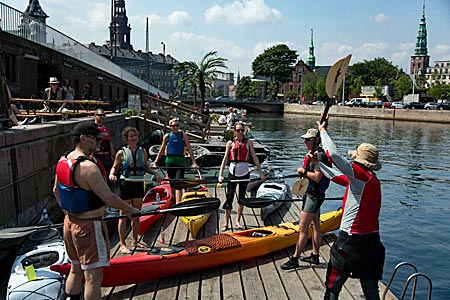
x=86, y=242
x=312, y=203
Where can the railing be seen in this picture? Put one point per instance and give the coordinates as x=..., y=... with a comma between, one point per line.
x=17, y=23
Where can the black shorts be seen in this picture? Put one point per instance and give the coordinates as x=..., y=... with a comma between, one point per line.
x=131, y=190
x=175, y=173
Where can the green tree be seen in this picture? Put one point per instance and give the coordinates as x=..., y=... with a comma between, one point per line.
x=321, y=92
x=291, y=95
x=272, y=90
x=202, y=74
x=402, y=86
x=309, y=86
x=437, y=90
x=370, y=71
x=275, y=63
x=255, y=88
x=243, y=87
x=378, y=93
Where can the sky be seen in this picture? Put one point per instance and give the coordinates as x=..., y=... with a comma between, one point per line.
x=240, y=30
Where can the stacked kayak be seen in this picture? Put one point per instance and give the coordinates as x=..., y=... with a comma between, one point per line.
x=42, y=249
x=208, y=252
x=276, y=191
x=150, y=203
x=194, y=223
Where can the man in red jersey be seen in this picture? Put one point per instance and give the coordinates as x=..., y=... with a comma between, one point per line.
x=106, y=152
x=358, y=251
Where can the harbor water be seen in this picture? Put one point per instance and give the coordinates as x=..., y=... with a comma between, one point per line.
x=415, y=179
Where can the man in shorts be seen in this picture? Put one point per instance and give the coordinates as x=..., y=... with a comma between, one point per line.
x=81, y=191
x=312, y=200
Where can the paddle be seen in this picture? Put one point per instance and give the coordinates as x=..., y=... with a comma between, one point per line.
x=263, y=202
x=188, y=208
x=180, y=184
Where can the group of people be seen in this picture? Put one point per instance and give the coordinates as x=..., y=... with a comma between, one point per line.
x=82, y=191
x=55, y=92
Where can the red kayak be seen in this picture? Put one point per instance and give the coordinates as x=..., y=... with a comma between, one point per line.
x=200, y=254
x=165, y=195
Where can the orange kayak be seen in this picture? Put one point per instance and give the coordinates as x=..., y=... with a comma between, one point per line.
x=208, y=252
x=165, y=195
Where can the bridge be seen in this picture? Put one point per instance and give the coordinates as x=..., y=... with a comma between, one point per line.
x=250, y=106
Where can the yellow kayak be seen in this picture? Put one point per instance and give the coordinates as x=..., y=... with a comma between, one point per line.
x=194, y=223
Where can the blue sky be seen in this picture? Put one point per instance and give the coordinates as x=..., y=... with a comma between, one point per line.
x=241, y=29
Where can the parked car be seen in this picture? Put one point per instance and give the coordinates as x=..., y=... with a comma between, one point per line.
x=415, y=105
x=387, y=104
x=397, y=105
x=443, y=105
x=318, y=102
x=431, y=105
x=372, y=104
x=353, y=102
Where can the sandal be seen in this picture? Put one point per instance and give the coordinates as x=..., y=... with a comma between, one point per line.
x=239, y=226
x=224, y=228
x=125, y=250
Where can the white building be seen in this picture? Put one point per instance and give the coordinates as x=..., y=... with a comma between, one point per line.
x=439, y=73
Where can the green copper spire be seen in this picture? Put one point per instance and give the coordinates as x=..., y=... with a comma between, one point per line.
x=421, y=43
x=311, y=60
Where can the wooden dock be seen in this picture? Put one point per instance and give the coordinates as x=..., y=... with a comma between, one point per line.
x=257, y=278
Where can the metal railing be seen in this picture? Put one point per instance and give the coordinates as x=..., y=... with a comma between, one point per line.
x=20, y=24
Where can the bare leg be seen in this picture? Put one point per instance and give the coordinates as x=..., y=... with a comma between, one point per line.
x=137, y=203
x=305, y=220
x=178, y=194
x=122, y=228
x=317, y=233
x=73, y=281
x=239, y=215
x=92, y=290
x=227, y=218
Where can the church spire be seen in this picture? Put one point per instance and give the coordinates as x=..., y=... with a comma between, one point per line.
x=421, y=43
x=311, y=60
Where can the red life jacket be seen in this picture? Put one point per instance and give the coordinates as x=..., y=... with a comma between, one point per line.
x=239, y=151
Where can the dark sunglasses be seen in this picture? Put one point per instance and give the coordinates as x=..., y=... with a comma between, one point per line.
x=101, y=115
x=309, y=139
x=240, y=130
x=93, y=137
x=175, y=125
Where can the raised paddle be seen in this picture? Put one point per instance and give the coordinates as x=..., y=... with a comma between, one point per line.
x=180, y=184
x=263, y=202
x=188, y=208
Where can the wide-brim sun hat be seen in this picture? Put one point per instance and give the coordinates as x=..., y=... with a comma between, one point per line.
x=367, y=155
x=53, y=80
x=311, y=133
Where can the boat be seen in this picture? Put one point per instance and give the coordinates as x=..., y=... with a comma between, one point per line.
x=194, y=223
x=42, y=248
x=197, y=150
x=194, y=255
x=273, y=190
x=150, y=200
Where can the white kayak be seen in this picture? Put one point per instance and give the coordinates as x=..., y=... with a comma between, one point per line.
x=42, y=248
x=273, y=190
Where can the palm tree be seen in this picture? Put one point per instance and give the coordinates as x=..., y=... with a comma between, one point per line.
x=200, y=75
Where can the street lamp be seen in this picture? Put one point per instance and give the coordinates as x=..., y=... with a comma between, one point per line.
x=163, y=48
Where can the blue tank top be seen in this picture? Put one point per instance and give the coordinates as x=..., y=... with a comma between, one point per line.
x=175, y=145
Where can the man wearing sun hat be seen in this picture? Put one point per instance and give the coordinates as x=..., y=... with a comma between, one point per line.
x=316, y=184
x=358, y=251
x=54, y=92
x=82, y=193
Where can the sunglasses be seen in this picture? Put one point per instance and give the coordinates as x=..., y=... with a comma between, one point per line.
x=175, y=125
x=240, y=130
x=101, y=115
x=93, y=137
x=309, y=139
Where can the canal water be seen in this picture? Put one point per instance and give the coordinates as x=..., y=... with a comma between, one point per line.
x=415, y=177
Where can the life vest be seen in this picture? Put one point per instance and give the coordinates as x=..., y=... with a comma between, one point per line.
x=133, y=165
x=316, y=188
x=105, y=144
x=73, y=198
x=239, y=151
x=175, y=145
x=50, y=95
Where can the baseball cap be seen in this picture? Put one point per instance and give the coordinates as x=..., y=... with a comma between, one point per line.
x=88, y=128
x=312, y=132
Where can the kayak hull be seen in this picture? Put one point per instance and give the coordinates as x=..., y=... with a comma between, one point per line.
x=208, y=252
x=195, y=223
x=150, y=200
x=275, y=191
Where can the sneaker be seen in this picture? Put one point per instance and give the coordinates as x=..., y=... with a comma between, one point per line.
x=44, y=110
x=20, y=123
x=65, y=110
x=312, y=259
x=32, y=121
x=292, y=263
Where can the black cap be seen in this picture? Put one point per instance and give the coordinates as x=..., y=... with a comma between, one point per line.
x=88, y=128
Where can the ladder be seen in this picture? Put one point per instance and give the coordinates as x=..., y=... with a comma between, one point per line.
x=413, y=277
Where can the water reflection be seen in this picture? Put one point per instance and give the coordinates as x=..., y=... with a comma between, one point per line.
x=415, y=182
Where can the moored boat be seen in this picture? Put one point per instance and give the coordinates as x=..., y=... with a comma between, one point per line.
x=276, y=191
x=208, y=252
x=42, y=249
x=194, y=223
x=165, y=194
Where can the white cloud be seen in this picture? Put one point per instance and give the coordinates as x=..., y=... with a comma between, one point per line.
x=179, y=18
x=406, y=46
x=176, y=18
x=372, y=50
x=379, y=18
x=243, y=12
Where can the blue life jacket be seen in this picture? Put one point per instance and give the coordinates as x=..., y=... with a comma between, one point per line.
x=175, y=145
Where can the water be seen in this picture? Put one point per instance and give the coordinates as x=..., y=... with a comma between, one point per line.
x=415, y=181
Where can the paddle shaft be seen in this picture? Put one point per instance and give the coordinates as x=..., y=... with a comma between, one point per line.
x=263, y=202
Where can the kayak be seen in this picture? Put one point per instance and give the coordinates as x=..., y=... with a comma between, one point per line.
x=194, y=255
x=194, y=223
x=42, y=249
x=275, y=191
x=150, y=203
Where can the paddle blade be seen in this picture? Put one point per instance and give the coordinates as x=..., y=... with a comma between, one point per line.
x=19, y=232
x=336, y=75
x=300, y=186
x=257, y=202
x=193, y=207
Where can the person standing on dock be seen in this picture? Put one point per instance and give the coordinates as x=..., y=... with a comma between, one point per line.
x=174, y=145
x=131, y=160
x=357, y=251
x=238, y=152
x=312, y=200
x=106, y=152
x=81, y=191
